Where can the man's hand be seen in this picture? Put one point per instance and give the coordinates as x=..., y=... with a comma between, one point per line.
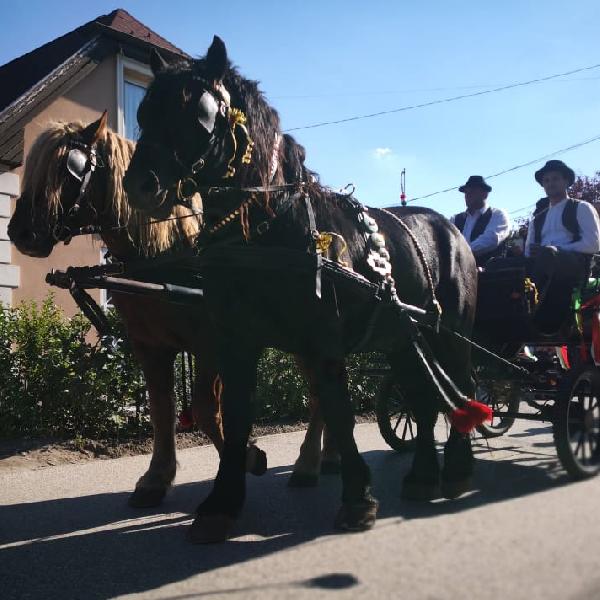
x=535, y=249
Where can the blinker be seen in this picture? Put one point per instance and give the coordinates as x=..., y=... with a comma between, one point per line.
x=207, y=111
x=77, y=161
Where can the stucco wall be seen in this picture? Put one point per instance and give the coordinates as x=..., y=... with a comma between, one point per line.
x=85, y=102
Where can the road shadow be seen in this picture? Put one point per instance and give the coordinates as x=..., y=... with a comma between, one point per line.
x=97, y=547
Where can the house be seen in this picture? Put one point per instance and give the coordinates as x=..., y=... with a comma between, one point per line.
x=104, y=64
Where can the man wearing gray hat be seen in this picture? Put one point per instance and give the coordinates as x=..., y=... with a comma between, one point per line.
x=485, y=228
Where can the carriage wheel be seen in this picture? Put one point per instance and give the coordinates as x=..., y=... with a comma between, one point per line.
x=499, y=402
x=577, y=422
x=396, y=423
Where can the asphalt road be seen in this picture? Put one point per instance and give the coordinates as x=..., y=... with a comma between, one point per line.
x=525, y=532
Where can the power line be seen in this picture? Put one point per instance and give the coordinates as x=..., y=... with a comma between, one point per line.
x=522, y=209
x=515, y=168
x=443, y=100
x=343, y=94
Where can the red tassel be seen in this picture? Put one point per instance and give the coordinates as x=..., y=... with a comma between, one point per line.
x=472, y=414
x=185, y=420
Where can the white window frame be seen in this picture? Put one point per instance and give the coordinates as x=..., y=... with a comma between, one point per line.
x=135, y=72
x=104, y=302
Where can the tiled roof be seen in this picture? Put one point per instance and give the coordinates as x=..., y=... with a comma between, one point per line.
x=22, y=73
x=121, y=20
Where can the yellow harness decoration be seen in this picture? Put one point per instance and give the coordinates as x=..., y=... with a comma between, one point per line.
x=238, y=119
x=531, y=288
x=323, y=243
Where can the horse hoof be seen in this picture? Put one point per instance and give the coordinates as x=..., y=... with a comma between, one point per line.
x=420, y=491
x=303, y=480
x=146, y=497
x=454, y=489
x=210, y=529
x=256, y=461
x=357, y=516
x=331, y=467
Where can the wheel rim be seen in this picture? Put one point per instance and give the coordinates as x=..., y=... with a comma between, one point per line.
x=498, y=405
x=583, y=414
x=401, y=420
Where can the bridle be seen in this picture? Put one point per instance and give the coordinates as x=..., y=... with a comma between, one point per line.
x=217, y=101
x=82, y=161
x=217, y=105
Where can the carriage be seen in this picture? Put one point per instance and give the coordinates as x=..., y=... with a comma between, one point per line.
x=529, y=375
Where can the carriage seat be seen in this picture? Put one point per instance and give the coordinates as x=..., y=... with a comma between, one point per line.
x=505, y=293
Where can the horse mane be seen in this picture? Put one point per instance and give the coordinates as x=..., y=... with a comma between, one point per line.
x=264, y=127
x=45, y=175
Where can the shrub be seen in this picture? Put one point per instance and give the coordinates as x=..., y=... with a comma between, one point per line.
x=57, y=380
x=282, y=392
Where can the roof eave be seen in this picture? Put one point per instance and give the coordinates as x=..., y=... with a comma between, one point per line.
x=26, y=99
x=137, y=42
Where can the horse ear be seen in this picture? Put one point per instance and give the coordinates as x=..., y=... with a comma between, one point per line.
x=97, y=130
x=102, y=127
x=157, y=62
x=216, y=60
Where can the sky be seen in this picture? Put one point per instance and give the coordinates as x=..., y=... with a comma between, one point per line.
x=332, y=59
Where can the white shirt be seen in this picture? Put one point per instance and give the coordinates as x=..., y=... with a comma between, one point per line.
x=554, y=233
x=493, y=235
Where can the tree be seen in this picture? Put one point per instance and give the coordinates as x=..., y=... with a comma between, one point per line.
x=587, y=188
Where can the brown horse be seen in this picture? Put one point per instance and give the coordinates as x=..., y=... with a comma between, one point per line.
x=158, y=330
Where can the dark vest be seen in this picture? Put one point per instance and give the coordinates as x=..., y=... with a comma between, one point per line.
x=479, y=227
x=569, y=219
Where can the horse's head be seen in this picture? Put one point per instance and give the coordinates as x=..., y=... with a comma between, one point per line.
x=191, y=136
x=54, y=202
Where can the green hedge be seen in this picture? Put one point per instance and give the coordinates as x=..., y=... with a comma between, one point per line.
x=55, y=380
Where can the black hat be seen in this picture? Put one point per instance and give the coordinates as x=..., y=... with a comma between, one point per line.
x=475, y=181
x=556, y=165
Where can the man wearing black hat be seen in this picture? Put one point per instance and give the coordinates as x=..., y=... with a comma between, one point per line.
x=563, y=234
x=485, y=228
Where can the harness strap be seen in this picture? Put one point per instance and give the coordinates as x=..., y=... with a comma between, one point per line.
x=314, y=249
x=421, y=254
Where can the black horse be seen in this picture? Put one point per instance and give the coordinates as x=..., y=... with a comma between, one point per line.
x=263, y=209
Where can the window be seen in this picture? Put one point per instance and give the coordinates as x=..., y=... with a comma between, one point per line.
x=133, y=94
x=133, y=78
